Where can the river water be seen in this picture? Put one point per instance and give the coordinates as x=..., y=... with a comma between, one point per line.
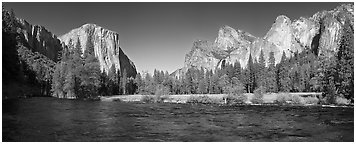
x=51, y=119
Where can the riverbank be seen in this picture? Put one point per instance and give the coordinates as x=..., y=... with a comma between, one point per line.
x=305, y=99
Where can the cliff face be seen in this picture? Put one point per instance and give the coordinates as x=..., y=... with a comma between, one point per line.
x=39, y=39
x=106, y=47
x=229, y=46
x=320, y=33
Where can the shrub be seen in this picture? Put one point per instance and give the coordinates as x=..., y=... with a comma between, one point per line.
x=323, y=100
x=201, y=99
x=282, y=98
x=117, y=100
x=236, y=99
x=287, y=98
x=192, y=99
x=310, y=100
x=161, y=94
x=258, y=95
x=235, y=95
x=342, y=101
x=147, y=99
x=295, y=99
x=216, y=100
x=204, y=99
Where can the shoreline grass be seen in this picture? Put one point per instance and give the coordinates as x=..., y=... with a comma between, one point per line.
x=293, y=99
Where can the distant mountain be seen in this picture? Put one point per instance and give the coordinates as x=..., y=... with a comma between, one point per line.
x=106, y=47
x=319, y=33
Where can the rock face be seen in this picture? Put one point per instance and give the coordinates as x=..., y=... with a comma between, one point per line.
x=320, y=33
x=39, y=39
x=106, y=47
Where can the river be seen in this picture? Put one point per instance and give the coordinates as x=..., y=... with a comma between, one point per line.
x=51, y=119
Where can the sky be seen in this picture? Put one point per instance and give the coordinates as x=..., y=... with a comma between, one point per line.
x=159, y=35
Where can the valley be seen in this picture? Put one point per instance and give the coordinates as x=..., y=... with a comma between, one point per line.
x=293, y=84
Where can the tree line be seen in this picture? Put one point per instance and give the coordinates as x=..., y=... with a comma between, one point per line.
x=301, y=72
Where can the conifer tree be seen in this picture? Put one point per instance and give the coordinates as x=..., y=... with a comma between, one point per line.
x=238, y=71
x=285, y=81
x=250, y=75
x=261, y=71
x=271, y=74
x=124, y=81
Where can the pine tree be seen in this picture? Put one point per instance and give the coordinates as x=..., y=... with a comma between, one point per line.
x=150, y=84
x=139, y=83
x=285, y=81
x=238, y=70
x=69, y=86
x=209, y=84
x=113, y=83
x=90, y=77
x=214, y=85
x=261, y=71
x=58, y=81
x=271, y=74
x=168, y=81
x=89, y=48
x=224, y=84
x=250, y=75
x=124, y=81
x=104, y=80
x=201, y=82
x=78, y=49
x=188, y=82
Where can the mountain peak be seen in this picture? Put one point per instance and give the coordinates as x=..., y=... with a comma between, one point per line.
x=94, y=26
x=90, y=25
x=282, y=19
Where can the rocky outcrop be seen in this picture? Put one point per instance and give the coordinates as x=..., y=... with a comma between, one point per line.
x=231, y=45
x=39, y=39
x=320, y=33
x=106, y=47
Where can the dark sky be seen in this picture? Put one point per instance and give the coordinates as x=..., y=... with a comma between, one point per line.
x=158, y=35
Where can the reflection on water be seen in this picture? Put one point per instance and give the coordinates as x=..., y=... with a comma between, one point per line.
x=51, y=119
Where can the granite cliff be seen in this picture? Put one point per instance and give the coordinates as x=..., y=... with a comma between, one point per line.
x=106, y=47
x=38, y=39
x=319, y=33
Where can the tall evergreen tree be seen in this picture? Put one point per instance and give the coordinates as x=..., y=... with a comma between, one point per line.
x=89, y=50
x=285, y=81
x=250, y=75
x=238, y=71
x=58, y=81
x=210, y=81
x=124, y=82
x=139, y=83
x=113, y=83
x=271, y=74
x=90, y=77
x=261, y=71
